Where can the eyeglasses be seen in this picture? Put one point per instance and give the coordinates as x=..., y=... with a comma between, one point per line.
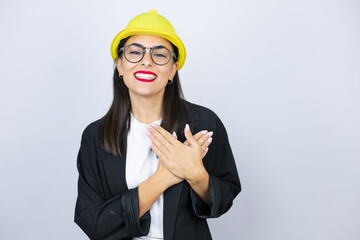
x=135, y=52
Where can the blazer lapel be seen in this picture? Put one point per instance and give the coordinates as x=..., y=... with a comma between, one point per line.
x=171, y=202
x=172, y=194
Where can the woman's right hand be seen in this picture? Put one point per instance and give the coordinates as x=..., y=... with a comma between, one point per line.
x=166, y=175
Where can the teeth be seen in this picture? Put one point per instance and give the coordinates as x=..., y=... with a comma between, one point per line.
x=145, y=76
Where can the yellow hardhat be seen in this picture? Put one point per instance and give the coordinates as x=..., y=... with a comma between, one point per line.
x=150, y=24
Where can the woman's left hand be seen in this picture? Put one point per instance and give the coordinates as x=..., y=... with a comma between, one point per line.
x=183, y=160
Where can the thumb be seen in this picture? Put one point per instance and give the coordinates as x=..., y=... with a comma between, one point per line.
x=189, y=135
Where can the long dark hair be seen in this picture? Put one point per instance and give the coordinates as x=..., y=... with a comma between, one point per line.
x=115, y=124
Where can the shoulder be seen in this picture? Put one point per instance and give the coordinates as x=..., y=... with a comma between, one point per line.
x=205, y=118
x=202, y=112
x=92, y=130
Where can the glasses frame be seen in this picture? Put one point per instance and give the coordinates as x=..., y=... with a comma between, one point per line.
x=173, y=55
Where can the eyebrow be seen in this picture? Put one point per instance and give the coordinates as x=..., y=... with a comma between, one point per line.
x=156, y=46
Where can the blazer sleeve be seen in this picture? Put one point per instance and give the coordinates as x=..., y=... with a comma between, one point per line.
x=223, y=177
x=100, y=218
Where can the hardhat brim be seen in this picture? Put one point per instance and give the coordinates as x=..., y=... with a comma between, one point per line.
x=136, y=31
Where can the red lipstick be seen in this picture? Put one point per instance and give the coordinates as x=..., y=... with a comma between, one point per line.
x=145, y=76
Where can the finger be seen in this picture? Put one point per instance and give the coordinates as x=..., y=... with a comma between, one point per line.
x=174, y=134
x=165, y=134
x=158, y=152
x=163, y=148
x=206, y=144
x=199, y=136
x=205, y=152
x=189, y=136
x=205, y=138
x=161, y=139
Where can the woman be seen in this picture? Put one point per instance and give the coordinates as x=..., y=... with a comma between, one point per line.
x=142, y=173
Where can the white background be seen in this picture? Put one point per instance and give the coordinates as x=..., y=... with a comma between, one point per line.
x=284, y=77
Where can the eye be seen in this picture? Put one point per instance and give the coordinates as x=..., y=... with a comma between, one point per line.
x=159, y=55
x=134, y=52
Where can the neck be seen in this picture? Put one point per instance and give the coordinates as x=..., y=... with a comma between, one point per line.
x=147, y=109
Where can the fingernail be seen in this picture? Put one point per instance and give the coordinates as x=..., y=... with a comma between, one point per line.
x=151, y=144
x=148, y=127
x=210, y=134
x=174, y=134
x=205, y=151
x=149, y=134
x=209, y=140
x=187, y=128
x=154, y=125
x=204, y=132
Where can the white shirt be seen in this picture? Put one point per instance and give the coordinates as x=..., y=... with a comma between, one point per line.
x=141, y=163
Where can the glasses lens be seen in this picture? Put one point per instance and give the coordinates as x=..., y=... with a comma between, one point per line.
x=133, y=53
x=161, y=55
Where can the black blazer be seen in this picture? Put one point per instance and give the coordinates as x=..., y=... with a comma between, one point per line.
x=107, y=209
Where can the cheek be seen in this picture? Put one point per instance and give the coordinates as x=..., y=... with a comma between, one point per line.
x=167, y=73
x=172, y=71
x=128, y=78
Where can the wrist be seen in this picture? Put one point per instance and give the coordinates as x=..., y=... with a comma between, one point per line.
x=161, y=179
x=200, y=178
x=201, y=185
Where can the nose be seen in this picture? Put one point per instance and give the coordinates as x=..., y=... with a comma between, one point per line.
x=147, y=61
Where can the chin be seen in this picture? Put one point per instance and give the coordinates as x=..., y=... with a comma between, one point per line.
x=146, y=92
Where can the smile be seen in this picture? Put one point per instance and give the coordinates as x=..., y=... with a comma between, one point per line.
x=145, y=76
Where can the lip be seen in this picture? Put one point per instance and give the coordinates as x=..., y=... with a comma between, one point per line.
x=145, y=72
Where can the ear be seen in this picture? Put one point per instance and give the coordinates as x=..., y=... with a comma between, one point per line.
x=119, y=65
x=174, y=68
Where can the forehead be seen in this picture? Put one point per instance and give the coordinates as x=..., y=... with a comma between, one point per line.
x=149, y=41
